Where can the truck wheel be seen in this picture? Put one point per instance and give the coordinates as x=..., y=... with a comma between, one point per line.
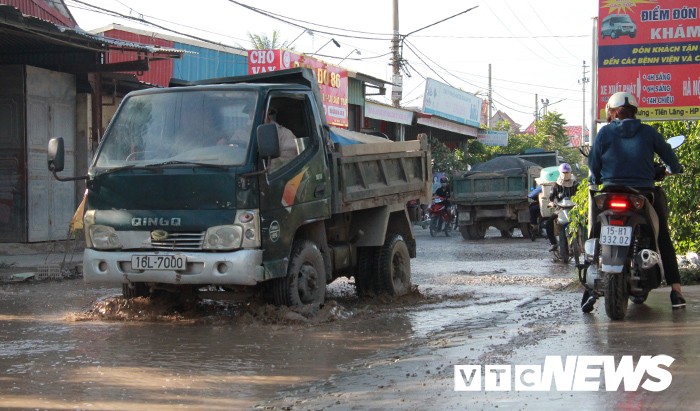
x=507, y=233
x=478, y=231
x=366, y=271
x=395, y=266
x=133, y=290
x=525, y=231
x=464, y=230
x=305, y=282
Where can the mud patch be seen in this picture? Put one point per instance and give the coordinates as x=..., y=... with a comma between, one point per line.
x=145, y=309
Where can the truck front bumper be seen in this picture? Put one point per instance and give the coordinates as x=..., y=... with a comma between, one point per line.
x=242, y=267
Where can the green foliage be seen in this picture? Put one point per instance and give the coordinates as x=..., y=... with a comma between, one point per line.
x=578, y=216
x=550, y=136
x=263, y=42
x=446, y=160
x=689, y=276
x=683, y=190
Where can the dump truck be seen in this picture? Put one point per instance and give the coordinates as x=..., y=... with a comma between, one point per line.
x=189, y=190
x=494, y=193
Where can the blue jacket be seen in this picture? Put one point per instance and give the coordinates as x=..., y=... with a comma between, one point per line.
x=623, y=154
x=535, y=192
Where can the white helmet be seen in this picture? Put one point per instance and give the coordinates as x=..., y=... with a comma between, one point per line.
x=620, y=99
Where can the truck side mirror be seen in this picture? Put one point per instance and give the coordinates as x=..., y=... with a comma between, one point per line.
x=55, y=155
x=268, y=141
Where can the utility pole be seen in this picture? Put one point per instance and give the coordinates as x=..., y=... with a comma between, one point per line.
x=396, y=79
x=488, y=120
x=583, y=82
x=537, y=112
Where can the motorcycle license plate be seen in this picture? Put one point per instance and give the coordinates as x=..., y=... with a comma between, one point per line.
x=159, y=262
x=615, y=235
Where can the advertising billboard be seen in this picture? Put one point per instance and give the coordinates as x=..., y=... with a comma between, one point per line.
x=332, y=80
x=451, y=103
x=650, y=48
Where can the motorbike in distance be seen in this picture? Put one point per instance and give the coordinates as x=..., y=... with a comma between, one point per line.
x=419, y=213
x=622, y=259
x=566, y=246
x=440, y=216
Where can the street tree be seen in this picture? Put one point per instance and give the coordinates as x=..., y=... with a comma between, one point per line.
x=263, y=42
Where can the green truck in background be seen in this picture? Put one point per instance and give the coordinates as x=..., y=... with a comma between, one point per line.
x=494, y=194
x=186, y=191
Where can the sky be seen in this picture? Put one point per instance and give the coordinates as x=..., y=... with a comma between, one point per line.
x=535, y=48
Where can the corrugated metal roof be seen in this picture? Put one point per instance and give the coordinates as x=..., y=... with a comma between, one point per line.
x=209, y=45
x=54, y=11
x=19, y=31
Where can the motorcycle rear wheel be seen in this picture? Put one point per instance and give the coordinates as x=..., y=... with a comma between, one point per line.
x=616, y=296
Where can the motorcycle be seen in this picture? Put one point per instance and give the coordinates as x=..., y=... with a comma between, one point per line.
x=440, y=216
x=418, y=213
x=566, y=248
x=622, y=259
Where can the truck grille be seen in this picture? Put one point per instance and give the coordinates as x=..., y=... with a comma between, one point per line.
x=180, y=241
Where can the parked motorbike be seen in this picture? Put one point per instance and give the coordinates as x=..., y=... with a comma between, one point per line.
x=440, y=216
x=622, y=259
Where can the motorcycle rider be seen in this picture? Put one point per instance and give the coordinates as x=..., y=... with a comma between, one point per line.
x=623, y=154
x=565, y=186
x=534, y=207
x=444, y=190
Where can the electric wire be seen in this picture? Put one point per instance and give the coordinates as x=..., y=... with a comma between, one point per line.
x=536, y=40
x=495, y=15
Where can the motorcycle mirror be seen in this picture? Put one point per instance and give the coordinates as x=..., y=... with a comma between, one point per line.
x=676, y=141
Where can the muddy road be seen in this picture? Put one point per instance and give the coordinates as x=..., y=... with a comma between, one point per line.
x=66, y=345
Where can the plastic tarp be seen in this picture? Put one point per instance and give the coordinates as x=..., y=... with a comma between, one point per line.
x=548, y=175
x=504, y=165
x=346, y=137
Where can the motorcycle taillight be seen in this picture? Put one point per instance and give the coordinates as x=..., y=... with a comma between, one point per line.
x=619, y=203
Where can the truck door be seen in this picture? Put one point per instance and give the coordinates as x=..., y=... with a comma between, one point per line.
x=296, y=188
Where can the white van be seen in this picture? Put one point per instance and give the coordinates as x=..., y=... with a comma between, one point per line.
x=616, y=25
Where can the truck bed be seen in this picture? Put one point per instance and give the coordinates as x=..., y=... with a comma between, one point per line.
x=494, y=188
x=491, y=188
x=380, y=174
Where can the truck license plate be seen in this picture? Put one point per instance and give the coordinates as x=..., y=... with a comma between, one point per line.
x=614, y=235
x=159, y=262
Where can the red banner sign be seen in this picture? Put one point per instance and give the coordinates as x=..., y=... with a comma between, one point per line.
x=650, y=48
x=332, y=80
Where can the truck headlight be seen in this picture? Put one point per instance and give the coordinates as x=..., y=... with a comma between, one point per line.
x=104, y=237
x=223, y=237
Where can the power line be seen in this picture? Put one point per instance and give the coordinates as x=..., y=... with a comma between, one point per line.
x=511, y=32
x=528, y=31
x=419, y=58
x=146, y=22
x=286, y=20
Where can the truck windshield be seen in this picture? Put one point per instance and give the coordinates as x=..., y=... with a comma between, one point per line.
x=185, y=126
